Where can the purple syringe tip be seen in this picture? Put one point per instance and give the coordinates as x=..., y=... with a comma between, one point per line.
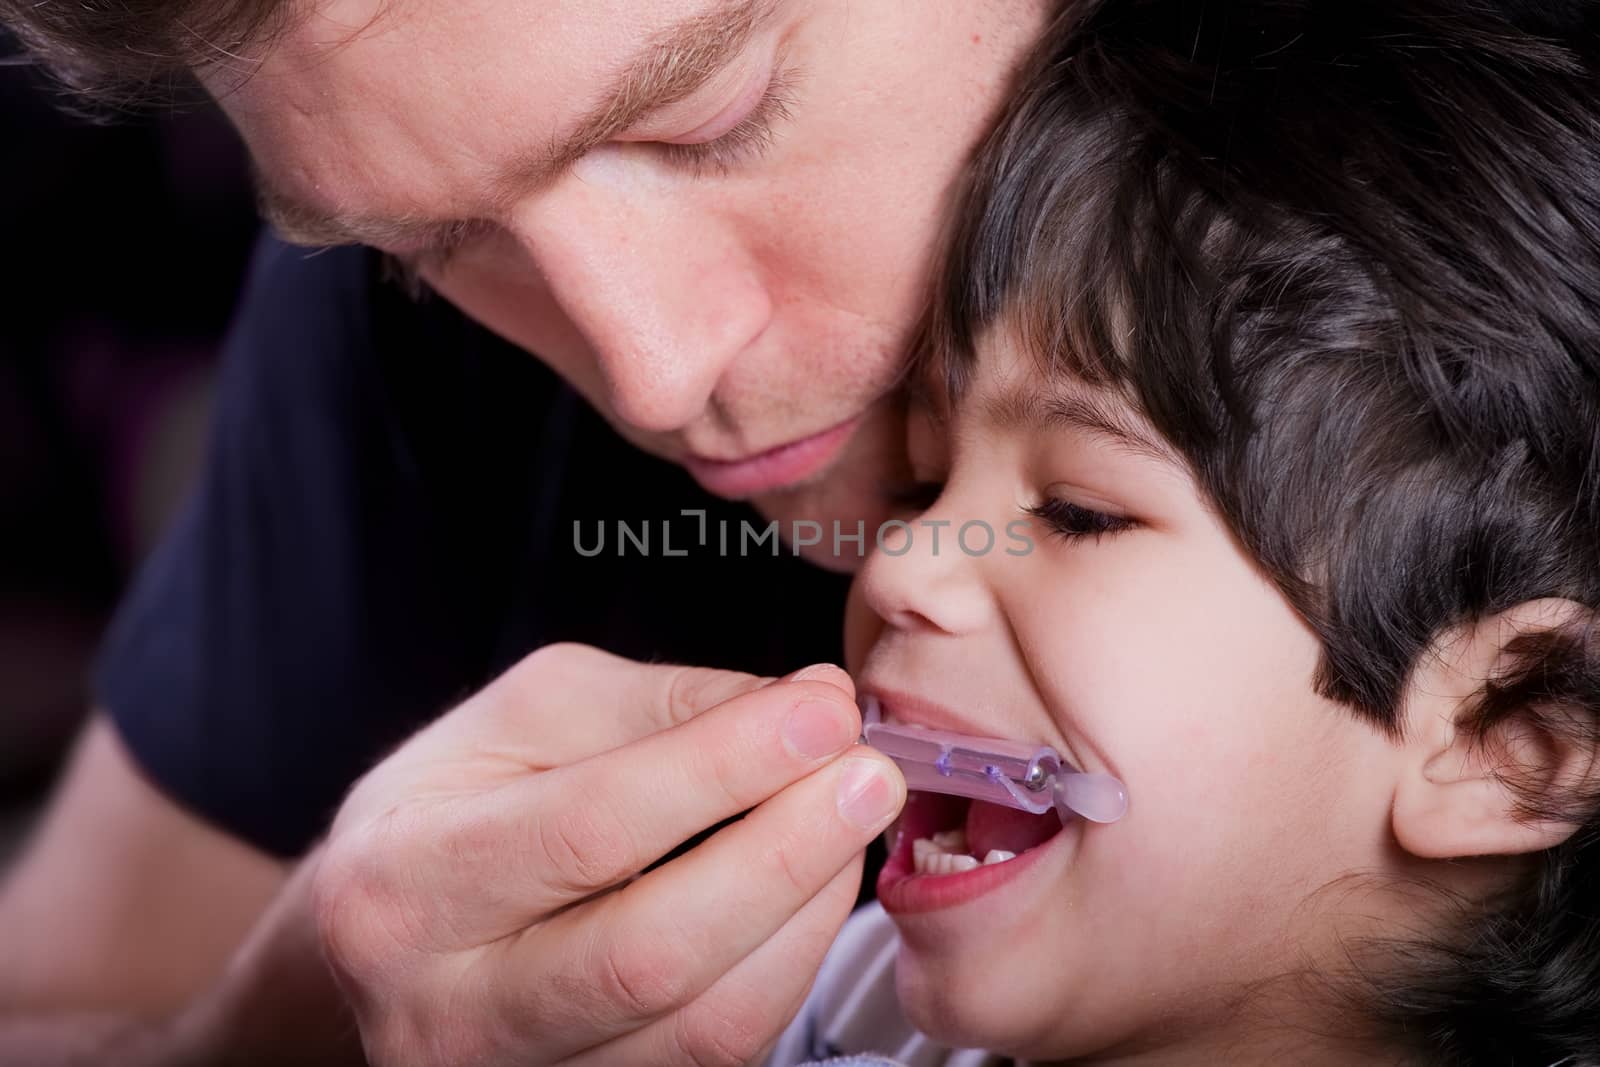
x=1025, y=776
x=1096, y=797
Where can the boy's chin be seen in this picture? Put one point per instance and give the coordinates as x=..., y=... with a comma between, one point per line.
x=983, y=1006
x=1005, y=1010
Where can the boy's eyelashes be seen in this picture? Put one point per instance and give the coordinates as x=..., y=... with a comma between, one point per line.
x=1073, y=521
x=1061, y=517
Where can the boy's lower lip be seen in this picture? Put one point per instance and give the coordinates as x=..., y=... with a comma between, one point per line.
x=902, y=891
x=773, y=469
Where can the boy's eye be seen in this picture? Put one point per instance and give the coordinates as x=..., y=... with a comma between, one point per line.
x=1072, y=521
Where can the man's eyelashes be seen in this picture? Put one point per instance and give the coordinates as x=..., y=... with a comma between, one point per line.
x=747, y=140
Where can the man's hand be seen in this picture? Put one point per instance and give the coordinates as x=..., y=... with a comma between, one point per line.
x=480, y=898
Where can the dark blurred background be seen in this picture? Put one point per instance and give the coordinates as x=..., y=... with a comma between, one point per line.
x=124, y=245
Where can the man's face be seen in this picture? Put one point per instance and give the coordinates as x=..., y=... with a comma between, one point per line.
x=715, y=218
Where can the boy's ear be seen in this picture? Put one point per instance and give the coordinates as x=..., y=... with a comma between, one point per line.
x=1465, y=792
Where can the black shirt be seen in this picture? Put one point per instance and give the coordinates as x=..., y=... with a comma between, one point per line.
x=386, y=522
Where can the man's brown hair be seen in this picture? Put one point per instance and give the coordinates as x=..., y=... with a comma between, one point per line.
x=123, y=52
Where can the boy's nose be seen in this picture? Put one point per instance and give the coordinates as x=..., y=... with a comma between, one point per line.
x=924, y=578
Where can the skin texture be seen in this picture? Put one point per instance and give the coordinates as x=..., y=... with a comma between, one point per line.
x=715, y=310
x=146, y=948
x=1161, y=655
x=111, y=959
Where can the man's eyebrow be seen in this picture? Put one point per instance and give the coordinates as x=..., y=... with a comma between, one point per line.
x=1089, y=413
x=672, y=66
x=676, y=62
x=299, y=223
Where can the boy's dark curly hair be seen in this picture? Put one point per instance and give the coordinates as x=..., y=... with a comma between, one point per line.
x=1345, y=257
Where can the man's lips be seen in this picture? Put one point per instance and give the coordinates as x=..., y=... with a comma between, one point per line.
x=773, y=469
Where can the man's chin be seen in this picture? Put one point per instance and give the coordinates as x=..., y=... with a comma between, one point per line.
x=832, y=523
x=834, y=518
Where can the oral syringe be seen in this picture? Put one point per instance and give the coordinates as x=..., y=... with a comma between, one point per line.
x=1015, y=774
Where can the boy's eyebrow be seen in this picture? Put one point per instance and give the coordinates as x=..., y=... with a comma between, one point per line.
x=676, y=62
x=1035, y=409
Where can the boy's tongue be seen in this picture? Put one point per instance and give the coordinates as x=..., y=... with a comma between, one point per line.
x=990, y=826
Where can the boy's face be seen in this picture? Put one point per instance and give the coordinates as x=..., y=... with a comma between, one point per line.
x=713, y=217
x=1154, y=652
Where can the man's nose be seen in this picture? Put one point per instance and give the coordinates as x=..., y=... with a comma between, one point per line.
x=666, y=296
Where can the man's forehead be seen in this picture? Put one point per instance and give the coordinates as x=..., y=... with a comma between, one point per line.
x=448, y=87
x=563, y=36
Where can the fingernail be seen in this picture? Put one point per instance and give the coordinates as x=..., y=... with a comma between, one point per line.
x=816, y=729
x=867, y=799
x=816, y=670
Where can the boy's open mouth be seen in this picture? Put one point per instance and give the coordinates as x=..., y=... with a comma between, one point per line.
x=943, y=835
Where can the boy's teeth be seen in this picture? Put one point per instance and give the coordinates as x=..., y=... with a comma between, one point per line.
x=936, y=862
x=939, y=854
x=946, y=853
